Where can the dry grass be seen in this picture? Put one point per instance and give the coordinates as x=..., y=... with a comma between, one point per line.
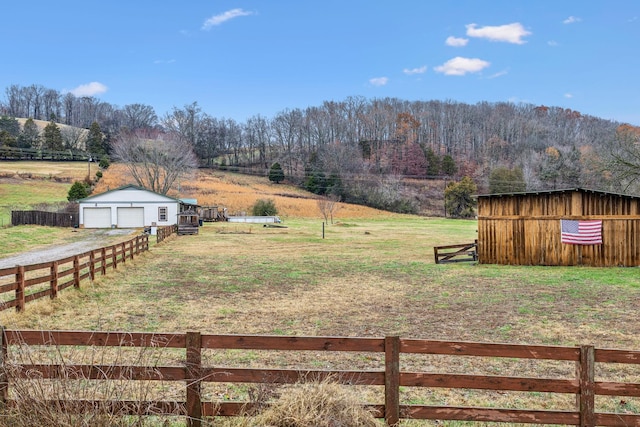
x=238, y=193
x=62, y=171
x=366, y=278
x=315, y=404
x=38, y=401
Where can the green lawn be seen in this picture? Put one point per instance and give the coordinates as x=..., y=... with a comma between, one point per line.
x=27, y=194
x=365, y=278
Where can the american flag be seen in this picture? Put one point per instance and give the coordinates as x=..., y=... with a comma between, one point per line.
x=581, y=232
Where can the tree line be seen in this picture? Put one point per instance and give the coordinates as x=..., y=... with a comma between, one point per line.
x=363, y=150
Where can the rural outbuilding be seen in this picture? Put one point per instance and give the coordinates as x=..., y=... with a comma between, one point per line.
x=559, y=227
x=128, y=207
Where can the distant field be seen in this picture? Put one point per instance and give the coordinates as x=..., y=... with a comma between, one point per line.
x=49, y=170
x=25, y=184
x=238, y=193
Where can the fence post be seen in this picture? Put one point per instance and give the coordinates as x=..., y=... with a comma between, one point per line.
x=76, y=271
x=123, y=248
x=103, y=266
x=131, y=247
x=194, y=378
x=4, y=377
x=585, y=371
x=92, y=265
x=54, y=279
x=392, y=380
x=114, y=257
x=20, y=288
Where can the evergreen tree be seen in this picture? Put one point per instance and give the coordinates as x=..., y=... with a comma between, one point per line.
x=7, y=140
x=276, y=174
x=449, y=167
x=433, y=162
x=52, y=138
x=95, y=141
x=458, y=198
x=10, y=125
x=551, y=168
x=30, y=135
x=505, y=180
x=79, y=190
x=572, y=168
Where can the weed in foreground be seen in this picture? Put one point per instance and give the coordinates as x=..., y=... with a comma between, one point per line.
x=104, y=395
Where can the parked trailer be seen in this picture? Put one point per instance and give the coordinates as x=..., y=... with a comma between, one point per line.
x=254, y=219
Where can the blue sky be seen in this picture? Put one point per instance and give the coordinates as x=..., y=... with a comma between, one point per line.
x=237, y=59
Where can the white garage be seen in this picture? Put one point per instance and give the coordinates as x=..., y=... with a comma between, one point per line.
x=97, y=217
x=128, y=207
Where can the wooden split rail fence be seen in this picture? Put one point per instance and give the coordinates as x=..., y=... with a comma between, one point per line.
x=166, y=231
x=465, y=252
x=193, y=374
x=31, y=282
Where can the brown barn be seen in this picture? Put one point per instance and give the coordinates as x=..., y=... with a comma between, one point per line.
x=525, y=228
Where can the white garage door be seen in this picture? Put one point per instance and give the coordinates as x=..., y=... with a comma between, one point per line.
x=130, y=217
x=97, y=217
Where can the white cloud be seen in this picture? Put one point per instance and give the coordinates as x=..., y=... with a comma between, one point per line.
x=568, y=95
x=510, y=33
x=498, y=74
x=89, y=89
x=459, y=66
x=456, y=41
x=379, y=81
x=224, y=17
x=552, y=43
x=572, y=20
x=420, y=70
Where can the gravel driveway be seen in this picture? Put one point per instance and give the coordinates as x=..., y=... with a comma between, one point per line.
x=96, y=240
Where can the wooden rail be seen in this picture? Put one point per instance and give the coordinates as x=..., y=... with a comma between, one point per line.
x=164, y=232
x=193, y=374
x=31, y=282
x=465, y=252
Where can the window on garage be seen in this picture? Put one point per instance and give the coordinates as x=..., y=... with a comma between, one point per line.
x=163, y=214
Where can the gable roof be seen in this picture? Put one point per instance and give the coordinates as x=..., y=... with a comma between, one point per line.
x=130, y=187
x=565, y=190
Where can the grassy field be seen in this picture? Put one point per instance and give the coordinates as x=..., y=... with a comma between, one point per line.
x=26, y=184
x=372, y=274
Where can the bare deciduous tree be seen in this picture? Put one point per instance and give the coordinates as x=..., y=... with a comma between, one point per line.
x=155, y=163
x=624, y=157
x=328, y=206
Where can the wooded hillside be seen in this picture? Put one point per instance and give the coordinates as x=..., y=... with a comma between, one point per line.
x=365, y=150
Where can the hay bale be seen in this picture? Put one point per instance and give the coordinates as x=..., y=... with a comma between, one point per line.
x=316, y=404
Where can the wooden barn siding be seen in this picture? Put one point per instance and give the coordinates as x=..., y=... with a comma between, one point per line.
x=525, y=229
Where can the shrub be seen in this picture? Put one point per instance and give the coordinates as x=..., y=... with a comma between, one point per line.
x=104, y=162
x=264, y=207
x=458, y=198
x=79, y=190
